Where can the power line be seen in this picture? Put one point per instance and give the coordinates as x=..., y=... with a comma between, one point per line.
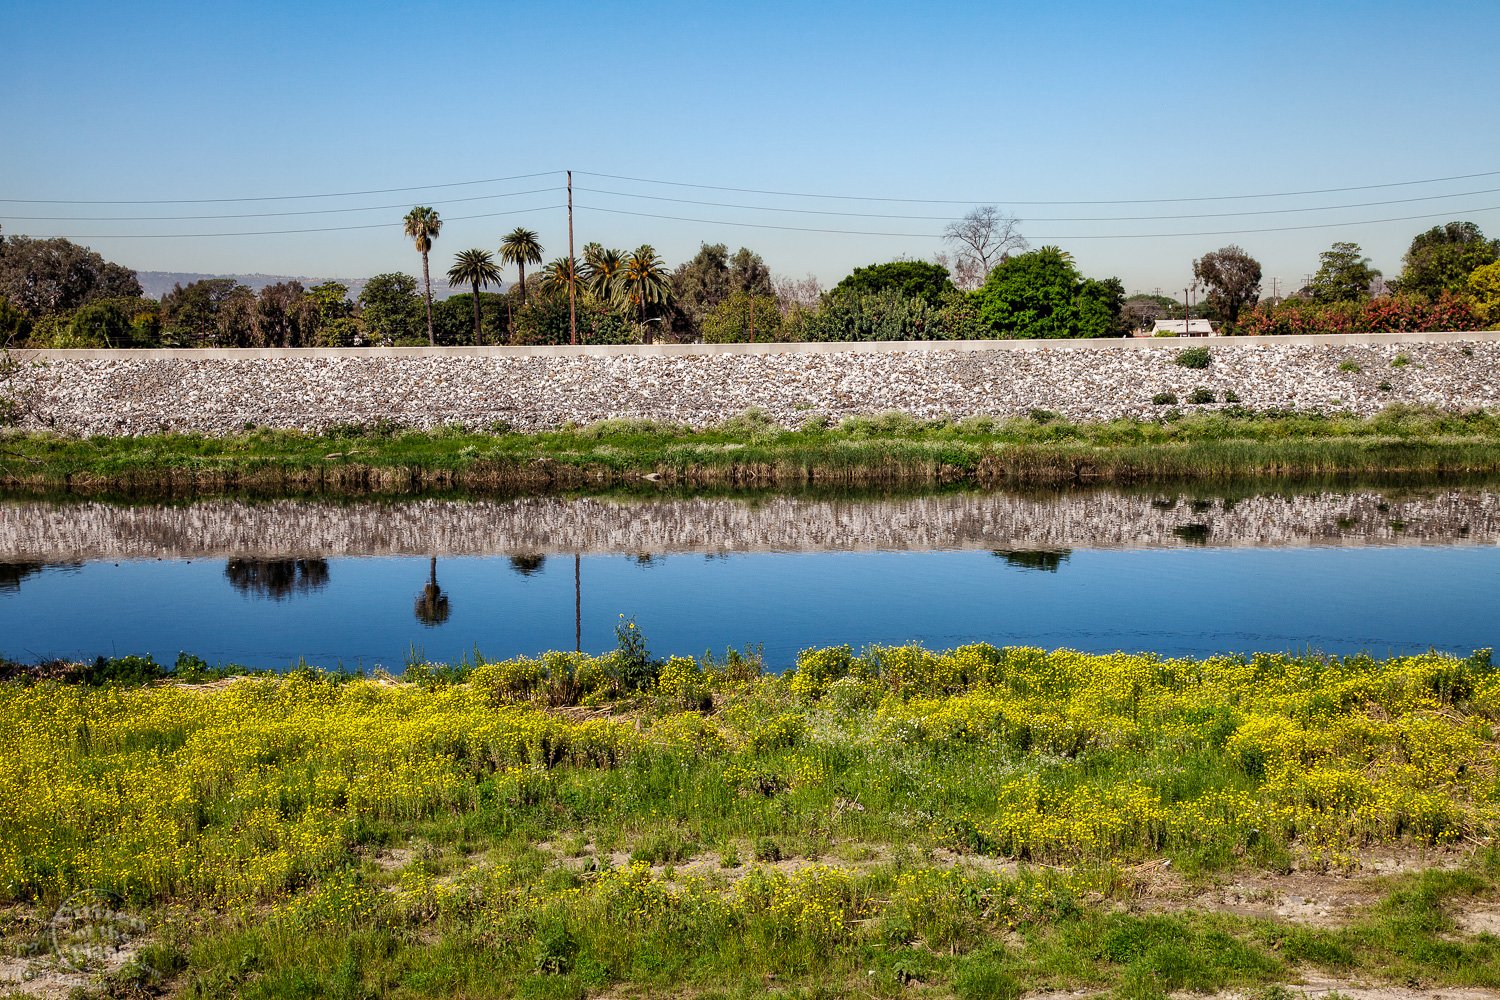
x=1116, y=218
x=1095, y=236
x=1011, y=201
x=280, y=197
x=714, y=187
x=288, y=232
x=259, y=215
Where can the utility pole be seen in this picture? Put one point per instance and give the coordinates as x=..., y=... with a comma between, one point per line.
x=572, y=278
x=1187, y=314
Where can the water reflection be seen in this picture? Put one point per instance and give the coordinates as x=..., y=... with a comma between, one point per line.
x=1045, y=560
x=528, y=529
x=277, y=579
x=11, y=574
x=432, y=607
x=528, y=564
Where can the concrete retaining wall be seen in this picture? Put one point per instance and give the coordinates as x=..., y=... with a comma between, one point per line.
x=222, y=391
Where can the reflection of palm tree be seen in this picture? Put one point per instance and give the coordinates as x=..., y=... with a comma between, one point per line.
x=527, y=564
x=644, y=559
x=432, y=604
x=277, y=579
x=577, y=606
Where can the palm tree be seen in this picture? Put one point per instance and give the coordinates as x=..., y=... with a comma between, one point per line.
x=476, y=268
x=643, y=281
x=600, y=272
x=521, y=247
x=556, y=276
x=422, y=226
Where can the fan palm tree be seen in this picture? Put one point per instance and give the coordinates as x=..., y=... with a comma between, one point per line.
x=556, y=276
x=643, y=281
x=476, y=268
x=600, y=272
x=521, y=247
x=422, y=226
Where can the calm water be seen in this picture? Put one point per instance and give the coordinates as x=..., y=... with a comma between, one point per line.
x=1336, y=572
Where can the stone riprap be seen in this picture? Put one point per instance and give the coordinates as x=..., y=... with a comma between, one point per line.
x=221, y=392
x=38, y=532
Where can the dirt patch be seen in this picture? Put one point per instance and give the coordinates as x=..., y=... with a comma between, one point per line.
x=392, y=859
x=1479, y=919
x=1321, y=986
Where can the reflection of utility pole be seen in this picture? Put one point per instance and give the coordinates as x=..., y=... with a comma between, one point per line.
x=577, y=608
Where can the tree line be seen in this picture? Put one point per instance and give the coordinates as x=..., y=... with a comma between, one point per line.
x=54, y=293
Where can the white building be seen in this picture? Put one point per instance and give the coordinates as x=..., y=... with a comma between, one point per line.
x=1174, y=328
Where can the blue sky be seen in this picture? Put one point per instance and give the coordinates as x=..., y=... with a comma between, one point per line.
x=994, y=103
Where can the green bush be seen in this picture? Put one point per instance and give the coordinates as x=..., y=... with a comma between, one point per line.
x=1200, y=396
x=1164, y=399
x=1193, y=357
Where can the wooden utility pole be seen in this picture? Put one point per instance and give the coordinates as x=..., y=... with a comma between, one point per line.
x=572, y=278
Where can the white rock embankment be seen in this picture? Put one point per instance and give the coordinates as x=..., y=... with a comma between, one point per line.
x=218, y=392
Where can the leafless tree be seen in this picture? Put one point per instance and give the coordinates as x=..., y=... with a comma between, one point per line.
x=980, y=240
x=797, y=292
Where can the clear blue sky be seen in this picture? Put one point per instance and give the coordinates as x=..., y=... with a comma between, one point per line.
x=999, y=103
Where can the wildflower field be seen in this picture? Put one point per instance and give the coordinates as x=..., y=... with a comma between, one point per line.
x=976, y=823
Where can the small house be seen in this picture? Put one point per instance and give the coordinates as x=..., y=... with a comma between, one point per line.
x=1174, y=328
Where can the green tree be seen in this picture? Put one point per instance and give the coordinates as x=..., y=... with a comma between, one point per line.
x=15, y=326
x=521, y=247
x=741, y=314
x=1232, y=278
x=1484, y=289
x=545, y=321
x=477, y=269
x=422, y=225
x=1041, y=295
x=50, y=277
x=1344, y=274
x=910, y=278
x=391, y=309
x=558, y=275
x=1441, y=259
x=191, y=312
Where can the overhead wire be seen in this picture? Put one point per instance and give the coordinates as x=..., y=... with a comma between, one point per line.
x=1013, y=201
x=277, y=197
x=261, y=215
x=288, y=232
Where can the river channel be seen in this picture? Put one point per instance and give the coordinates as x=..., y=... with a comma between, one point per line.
x=365, y=585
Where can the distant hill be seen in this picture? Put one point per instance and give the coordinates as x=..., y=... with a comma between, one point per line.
x=155, y=284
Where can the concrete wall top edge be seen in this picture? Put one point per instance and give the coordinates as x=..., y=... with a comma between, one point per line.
x=689, y=350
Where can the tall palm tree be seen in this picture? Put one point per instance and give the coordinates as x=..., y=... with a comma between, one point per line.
x=643, y=281
x=422, y=226
x=521, y=247
x=476, y=268
x=600, y=272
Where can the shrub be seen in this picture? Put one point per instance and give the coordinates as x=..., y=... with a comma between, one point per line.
x=1200, y=396
x=1164, y=399
x=1230, y=396
x=1193, y=357
x=1349, y=366
x=1400, y=361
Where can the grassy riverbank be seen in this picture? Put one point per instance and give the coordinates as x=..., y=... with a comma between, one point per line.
x=976, y=823
x=749, y=452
